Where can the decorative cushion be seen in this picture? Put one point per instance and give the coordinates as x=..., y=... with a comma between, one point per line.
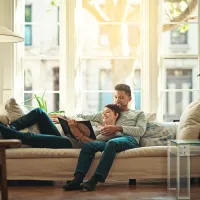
x=189, y=125
x=13, y=110
x=158, y=134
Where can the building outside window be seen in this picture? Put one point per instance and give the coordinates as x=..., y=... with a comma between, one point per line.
x=178, y=37
x=28, y=27
x=179, y=66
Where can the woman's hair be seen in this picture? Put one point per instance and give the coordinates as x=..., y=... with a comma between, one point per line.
x=115, y=108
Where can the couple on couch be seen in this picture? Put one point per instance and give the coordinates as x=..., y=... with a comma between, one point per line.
x=122, y=133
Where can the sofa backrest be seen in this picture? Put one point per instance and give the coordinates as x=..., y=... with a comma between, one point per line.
x=3, y=118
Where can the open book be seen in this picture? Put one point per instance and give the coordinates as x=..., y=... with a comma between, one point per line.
x=83, y=125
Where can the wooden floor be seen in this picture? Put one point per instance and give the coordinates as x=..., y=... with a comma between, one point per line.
x=107, y=191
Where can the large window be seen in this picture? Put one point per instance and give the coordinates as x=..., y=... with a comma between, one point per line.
x=109, y=52
x=180, y=57
x=113, y=42
x=41, y=53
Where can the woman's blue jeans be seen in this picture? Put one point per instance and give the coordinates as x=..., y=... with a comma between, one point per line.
x=49, y=137
x=109, y=150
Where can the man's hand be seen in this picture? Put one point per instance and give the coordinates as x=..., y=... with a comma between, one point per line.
x=110, y=129
x=72, y=123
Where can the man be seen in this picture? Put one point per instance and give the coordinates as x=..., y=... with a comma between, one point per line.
x=132, y=124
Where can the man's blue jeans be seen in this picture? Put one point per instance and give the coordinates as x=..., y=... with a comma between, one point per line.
x=109, y=150
x=49, y=137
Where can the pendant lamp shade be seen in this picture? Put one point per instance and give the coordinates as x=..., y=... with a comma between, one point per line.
x=7, y=35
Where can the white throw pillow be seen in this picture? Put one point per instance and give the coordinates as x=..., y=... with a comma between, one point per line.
x=189, y=125
x=13, y=110
x=158, y=134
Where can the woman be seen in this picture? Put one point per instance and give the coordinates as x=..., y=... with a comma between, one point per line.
x=110, y=115
x=48, y=138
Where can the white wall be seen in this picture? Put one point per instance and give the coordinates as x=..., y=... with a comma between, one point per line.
x=6, y=52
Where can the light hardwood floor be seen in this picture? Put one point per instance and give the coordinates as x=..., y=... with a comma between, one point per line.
x=107, y=191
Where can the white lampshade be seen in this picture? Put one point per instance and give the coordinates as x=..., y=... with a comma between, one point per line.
x=7, y=35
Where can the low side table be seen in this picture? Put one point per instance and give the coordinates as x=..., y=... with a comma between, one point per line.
x=3, y=174
x=179, y=154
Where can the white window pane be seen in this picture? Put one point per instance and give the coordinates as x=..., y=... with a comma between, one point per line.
x=44, y=40
x=99, y=37
x=176, y=102
x=171, y=99
x=105, y=74
x=186, y=95
x=180, y=39
x=43, y=11
x=180, y=71
x=91, y=102
x=41, y=75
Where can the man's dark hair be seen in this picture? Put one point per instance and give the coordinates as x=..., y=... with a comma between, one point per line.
x=123, y=87
x=115, y=108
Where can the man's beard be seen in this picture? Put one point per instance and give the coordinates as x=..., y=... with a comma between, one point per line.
x=122, y=106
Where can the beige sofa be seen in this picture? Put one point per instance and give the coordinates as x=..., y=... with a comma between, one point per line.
x=59, y=164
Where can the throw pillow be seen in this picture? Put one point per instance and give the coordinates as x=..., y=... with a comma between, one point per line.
x=189, y=125
x=13, y=110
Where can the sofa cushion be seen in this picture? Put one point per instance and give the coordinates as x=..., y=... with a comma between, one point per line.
x=189, y=125
x=27, y=153
x=158, y=134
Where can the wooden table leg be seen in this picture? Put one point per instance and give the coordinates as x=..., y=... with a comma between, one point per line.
x=3, y=177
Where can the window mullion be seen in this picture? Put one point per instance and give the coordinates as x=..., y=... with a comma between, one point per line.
x=67, y=56
x=149, y=42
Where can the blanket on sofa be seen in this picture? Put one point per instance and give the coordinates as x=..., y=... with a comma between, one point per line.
x=158, y=133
